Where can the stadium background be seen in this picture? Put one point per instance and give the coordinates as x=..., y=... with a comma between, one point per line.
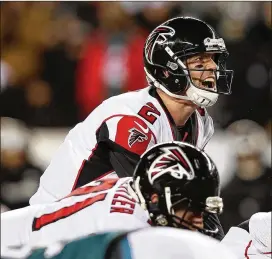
x=59, y=60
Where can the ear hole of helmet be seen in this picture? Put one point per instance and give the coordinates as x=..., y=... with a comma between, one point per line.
x=176, y=83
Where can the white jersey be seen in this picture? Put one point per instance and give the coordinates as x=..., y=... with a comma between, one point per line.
x=254, y=242
x=99, y=206
x=162, y=243
x=126, y=124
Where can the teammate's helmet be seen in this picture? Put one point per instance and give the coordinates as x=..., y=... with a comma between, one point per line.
x=183, y=177
x=166, y=50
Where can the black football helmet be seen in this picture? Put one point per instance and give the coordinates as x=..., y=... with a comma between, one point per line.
x=165, y=53
x=182, y=176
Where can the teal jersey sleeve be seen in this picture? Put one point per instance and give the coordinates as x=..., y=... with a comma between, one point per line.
x=91, y=247
x=112, y=245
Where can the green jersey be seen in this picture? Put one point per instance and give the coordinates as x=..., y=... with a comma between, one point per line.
x=100, y=246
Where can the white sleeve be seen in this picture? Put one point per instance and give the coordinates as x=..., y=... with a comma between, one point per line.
x=236, y=240
x=16, y=226
x=166, y=242
x=58, y=179
x=122, y=222
x=42, y=196
x=58, y=171
x=260, y=231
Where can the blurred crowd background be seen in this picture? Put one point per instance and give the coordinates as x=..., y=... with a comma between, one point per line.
x=59, y=60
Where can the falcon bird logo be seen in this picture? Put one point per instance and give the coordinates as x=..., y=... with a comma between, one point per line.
x=136, y=136
x=172, y=161
x=158, y=36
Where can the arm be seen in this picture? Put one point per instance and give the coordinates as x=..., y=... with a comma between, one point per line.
x=16, y=226
x=132, y=139
x=237, y=240
x=89, y=153
x=120, y=142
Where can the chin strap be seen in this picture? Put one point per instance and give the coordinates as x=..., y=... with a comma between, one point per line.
x=200, y=97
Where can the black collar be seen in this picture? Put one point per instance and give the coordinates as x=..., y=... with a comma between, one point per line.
x=153, y=93
x=189, y=132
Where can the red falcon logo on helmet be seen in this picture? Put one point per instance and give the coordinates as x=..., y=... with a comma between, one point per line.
x=158, y=36
x=173, y=161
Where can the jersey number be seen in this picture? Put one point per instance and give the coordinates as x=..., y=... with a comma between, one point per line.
x=62, y=213
x=148, y=112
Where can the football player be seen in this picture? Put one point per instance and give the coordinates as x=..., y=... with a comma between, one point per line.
x=174, y=184
x=185, y=65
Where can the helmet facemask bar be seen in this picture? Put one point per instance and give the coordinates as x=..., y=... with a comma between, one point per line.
x=222, y=77
x=214, y=205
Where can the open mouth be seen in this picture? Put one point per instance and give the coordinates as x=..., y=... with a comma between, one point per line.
x=209, y=83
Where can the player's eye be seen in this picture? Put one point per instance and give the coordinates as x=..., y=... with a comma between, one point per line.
x=198, y=59
x=199, y=66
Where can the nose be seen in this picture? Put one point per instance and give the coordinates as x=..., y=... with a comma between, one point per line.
x=211, y=65
x=198, y=221
x=197, y=217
